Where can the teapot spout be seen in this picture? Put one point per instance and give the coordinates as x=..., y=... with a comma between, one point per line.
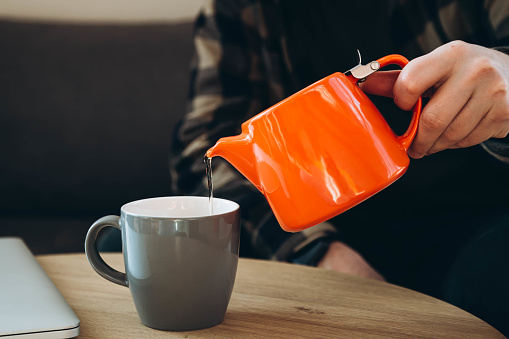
x=238, y=151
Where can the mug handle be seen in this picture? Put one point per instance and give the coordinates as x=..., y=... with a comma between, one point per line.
x=407, y=138
x=93, y=256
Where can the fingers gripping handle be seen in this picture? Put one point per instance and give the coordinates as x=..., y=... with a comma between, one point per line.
x=407, y=138
x=93, y=256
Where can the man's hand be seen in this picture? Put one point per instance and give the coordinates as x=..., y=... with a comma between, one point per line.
x=342, y=258
x=469, y=90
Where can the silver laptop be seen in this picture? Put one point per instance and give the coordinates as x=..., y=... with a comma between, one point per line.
x=30, y=304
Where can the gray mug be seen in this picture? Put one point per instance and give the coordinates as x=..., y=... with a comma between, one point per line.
x=180, y=260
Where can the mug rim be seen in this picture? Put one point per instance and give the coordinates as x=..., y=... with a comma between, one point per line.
x=230, y=209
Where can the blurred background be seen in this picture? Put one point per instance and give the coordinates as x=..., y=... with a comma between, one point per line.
x=90, y=92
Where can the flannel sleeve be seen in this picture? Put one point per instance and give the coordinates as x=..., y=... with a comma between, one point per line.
x=228, y=86
x=498, y=21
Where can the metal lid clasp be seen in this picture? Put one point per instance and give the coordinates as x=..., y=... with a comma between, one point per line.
x=361, y=71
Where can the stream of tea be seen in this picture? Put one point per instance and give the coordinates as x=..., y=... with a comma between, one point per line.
x=208, y=170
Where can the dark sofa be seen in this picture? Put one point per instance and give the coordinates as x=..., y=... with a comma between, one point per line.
x=86, y=119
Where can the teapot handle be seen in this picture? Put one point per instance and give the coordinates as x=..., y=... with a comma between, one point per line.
x=407, y=138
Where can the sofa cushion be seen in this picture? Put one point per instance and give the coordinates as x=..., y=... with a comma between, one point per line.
x=87, y=113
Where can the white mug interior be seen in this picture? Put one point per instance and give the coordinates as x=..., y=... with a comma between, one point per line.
x=179, y=207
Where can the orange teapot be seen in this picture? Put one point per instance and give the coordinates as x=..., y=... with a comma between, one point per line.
x=322, y=150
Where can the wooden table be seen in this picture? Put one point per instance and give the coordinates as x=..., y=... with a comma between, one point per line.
x=271, y=300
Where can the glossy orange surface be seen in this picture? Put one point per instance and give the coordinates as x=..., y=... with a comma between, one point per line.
x=320, y=151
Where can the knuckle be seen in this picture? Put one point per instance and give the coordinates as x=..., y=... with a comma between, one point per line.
x=451, y=135
x=502, y=134
x=408, y=85
x=499, y=117
x=456, y=48
x=504, y=128
x=431, y=121
x=467, y=142
x=477, y=136
x=500, y=92
x=480, y=67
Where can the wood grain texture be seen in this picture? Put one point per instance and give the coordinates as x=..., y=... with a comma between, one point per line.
x=271, y=300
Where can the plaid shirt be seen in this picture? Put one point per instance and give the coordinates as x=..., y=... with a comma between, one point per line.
x=252, y=54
